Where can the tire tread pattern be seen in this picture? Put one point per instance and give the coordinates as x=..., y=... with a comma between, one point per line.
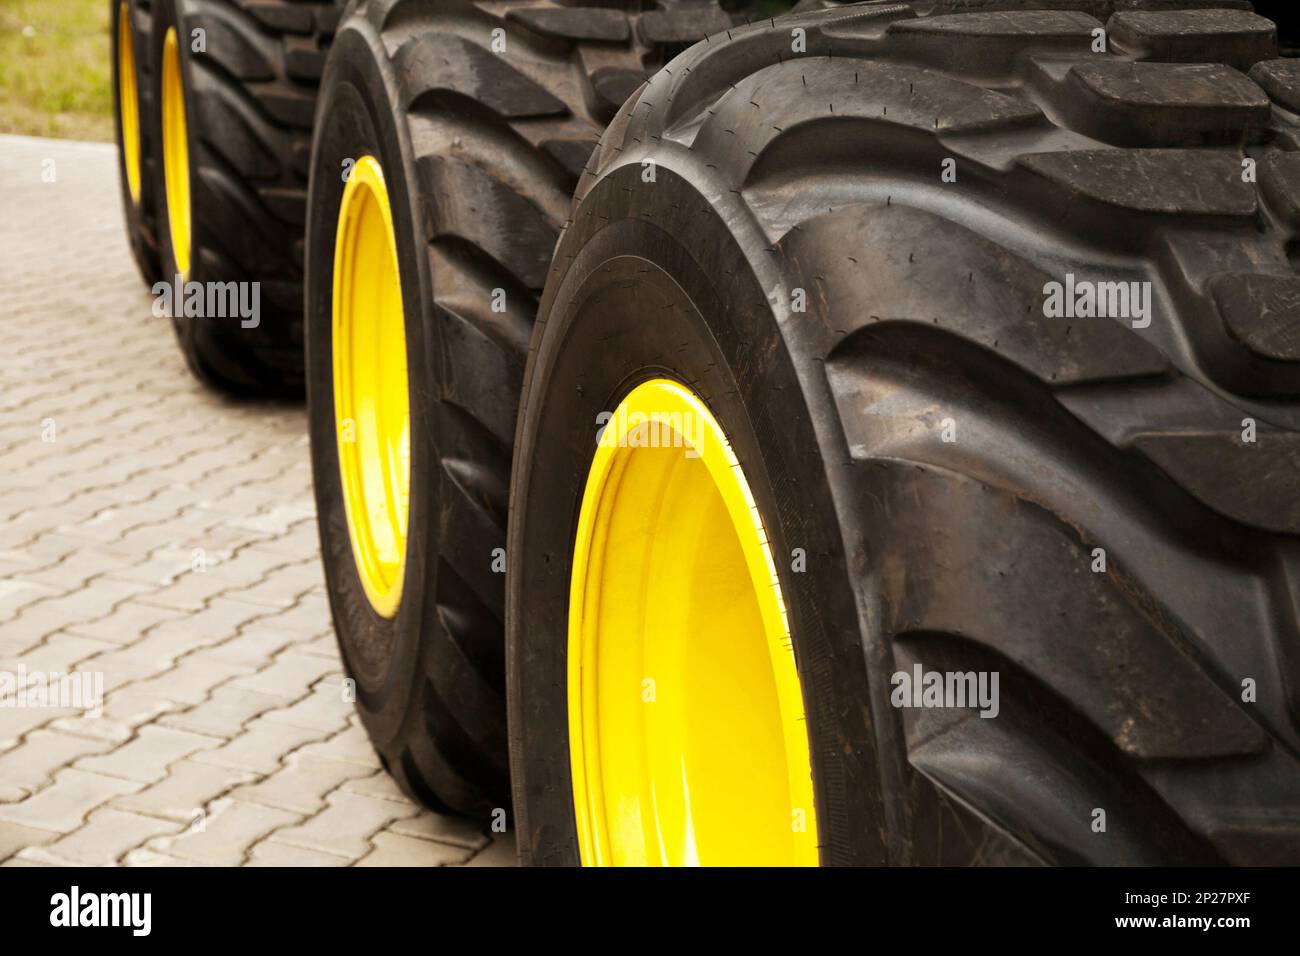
x=1130, y=155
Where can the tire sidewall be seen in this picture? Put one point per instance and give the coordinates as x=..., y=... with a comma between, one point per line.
x=354, y=117
x=167, y=14
x=135, y=211
x=656, y=285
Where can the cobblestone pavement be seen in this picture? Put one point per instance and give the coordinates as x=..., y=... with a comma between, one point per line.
x=164, y=538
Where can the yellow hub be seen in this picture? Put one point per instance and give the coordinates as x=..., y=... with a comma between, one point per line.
x=176, y=153
x=371, y=408
x=688, y=742
x=127, y=102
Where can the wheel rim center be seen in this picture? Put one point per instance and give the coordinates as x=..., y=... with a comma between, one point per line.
x=688, y=743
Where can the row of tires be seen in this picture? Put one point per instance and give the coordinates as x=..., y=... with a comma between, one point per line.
x=690, y=421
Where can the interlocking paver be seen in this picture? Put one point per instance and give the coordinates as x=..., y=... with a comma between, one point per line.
x=31, y=764
x=94, y=599
x=14, y=837
x=225, y=713
x=255, y=646
x=165, y=539
x=500, y=852
x=431, y=826
x=300, y=785
x=271, y=853
x=260, y=748
x=345, y=826
x=185, y=792
x=58, y=652
x=18, y=721
x=290, y=677
x=127, y=623
x=124, y=711
x=64, y=804
x=107, y=835
x=148, y=755
x=324, y=709
x=190, y=681
x=225, y=835
x=393, y=849
x=144, y=857
x=349, y=745
x=309, y=617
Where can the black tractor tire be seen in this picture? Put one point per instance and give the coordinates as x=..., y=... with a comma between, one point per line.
x=1103, y=511
x=138, y=204
x=481, y=148
x=250, y=98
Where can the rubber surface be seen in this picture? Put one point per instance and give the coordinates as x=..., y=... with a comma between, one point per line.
x=949, y=457
x=482, y=117
x=250, y=99
x=140, y=213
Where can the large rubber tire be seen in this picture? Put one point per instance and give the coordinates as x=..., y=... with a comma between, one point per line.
x=249, y=103
x=481, y=148
x=949, y=459
x=138, y=203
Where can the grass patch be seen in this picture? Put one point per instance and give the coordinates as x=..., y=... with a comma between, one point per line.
x=54, y=70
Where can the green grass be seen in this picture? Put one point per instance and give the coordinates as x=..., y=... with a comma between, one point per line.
x=54, y=69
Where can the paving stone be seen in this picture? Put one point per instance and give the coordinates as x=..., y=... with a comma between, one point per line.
x=379, y=785
x=351, y=745
x=289, y=677
x=147, y=756
x=147, y=857
x=188, y=592
x=260, y=748
x=128, y=623
x=16, y=594
x=225, y=836
x=254, y=648
x=125, y=709
x=15, y=722
x=300, y=785
x=52, y=614
x=324, y=646
x=190, y=681
x=272, y=853
x=393, y=849
x=501, y=852
x=167, y=541
x=185, y=792
x=441, y=829
x=59, y=652
x=121, y=667
x=283, y=587
x=33, y=762
x=345, y=826
x=225, y=713
x=324, y=709
x=310, y=617
x=64, y=804
x=14, y=837
x=106, y=836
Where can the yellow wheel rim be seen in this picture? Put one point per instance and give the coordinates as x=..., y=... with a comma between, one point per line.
x=127, y=103
x=371, y=408
x=176, y=153
x=688, y=742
